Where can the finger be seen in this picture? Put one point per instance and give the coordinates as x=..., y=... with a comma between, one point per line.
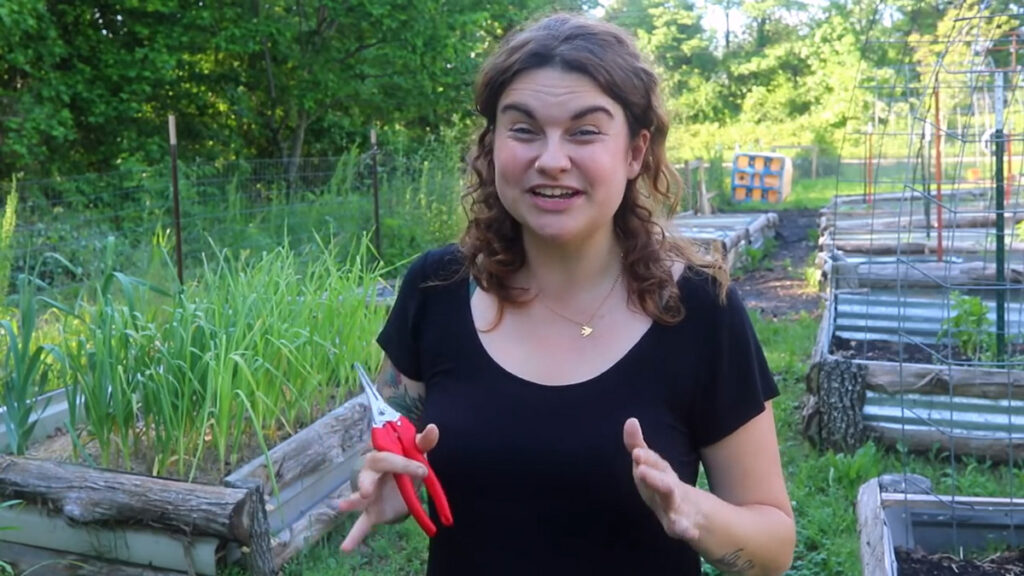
x=356, y=535
x=658, y=480
x=391, y=463
x=427, y=439
x=648, y=457
x=632, y=435
x=352, y=503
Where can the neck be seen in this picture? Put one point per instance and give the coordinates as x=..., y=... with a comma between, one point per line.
x=565, y=273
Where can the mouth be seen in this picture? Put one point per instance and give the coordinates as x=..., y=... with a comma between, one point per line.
x=552, y=193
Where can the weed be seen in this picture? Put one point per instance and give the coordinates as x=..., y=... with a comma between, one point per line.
x=756, y=257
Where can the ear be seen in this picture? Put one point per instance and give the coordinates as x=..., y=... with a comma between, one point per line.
x=637, y=153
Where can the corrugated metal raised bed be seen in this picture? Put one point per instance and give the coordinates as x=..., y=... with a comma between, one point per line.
x=727, y=235
x=900, y=513
x=916, y=397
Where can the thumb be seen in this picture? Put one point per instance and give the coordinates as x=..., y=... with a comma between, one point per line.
x=632, y=435
x=427, y=439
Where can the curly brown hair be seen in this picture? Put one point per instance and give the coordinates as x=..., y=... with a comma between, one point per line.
x=492, y=243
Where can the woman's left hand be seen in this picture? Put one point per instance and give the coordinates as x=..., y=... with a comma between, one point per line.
x=670, y=498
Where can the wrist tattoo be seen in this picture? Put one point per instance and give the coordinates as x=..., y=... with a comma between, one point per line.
x=734, y=562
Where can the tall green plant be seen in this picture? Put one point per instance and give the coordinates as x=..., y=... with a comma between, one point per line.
x=27, y=368
x=6, y=236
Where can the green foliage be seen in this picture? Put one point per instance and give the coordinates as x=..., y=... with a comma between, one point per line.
x=756, y=257
x=27, y=367
x=969, y=327
x=6, y=237
x=88, y=85
x=187, y=382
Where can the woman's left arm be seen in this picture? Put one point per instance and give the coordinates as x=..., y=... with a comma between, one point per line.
x=744, y=525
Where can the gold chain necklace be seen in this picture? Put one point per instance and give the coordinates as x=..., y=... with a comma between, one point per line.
x=585, y=328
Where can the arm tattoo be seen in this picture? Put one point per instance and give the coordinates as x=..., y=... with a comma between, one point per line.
x=397, y=394
x=734, y=562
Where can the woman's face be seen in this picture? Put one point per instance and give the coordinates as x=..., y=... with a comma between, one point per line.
x=562, y=155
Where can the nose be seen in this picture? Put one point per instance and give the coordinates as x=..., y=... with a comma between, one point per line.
x=553, y=158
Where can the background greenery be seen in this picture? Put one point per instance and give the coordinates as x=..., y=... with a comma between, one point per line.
x=87, y=86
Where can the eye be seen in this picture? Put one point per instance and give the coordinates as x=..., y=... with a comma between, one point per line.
x=521, y=130
x=586, y=132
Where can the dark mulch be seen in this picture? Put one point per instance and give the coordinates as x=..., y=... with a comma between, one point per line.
x=919, y=563
x=777, y=288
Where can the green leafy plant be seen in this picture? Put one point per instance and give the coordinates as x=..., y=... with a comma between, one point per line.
x=756, y=257
x=969, y=327
x=27, y=366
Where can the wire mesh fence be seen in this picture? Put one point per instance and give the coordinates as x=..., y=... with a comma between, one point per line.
x=922, y=344
x=70, y=230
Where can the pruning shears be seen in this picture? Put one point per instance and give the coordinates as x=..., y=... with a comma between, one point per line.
x=393, y=432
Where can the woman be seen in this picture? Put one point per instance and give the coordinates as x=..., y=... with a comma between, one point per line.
x=573, y=363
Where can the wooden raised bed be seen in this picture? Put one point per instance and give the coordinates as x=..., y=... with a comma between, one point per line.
x=122, y=523
x=895, y=513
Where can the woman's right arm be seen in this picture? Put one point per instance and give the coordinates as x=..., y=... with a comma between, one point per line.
x=403, y=394
x=377, y=498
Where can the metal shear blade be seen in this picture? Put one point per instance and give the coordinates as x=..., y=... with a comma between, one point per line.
x=380, y=412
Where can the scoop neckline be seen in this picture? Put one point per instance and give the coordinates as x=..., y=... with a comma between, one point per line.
x=601, y=376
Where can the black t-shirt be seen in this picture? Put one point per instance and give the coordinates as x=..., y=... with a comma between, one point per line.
x=538, y=478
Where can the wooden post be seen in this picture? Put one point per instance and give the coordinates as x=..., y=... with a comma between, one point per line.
x=172, y=129
x=376, y=195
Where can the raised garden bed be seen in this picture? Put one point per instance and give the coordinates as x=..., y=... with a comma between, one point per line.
x=117, y=522
x=728, y=235
x=906, y=529
x=965, y=409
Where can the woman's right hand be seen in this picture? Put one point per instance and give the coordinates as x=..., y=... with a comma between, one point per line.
x=377, y=498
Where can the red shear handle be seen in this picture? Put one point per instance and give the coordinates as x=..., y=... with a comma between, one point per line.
x=407, y=435
x=400, y=438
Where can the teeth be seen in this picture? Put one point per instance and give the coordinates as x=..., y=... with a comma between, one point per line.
x=553, y=192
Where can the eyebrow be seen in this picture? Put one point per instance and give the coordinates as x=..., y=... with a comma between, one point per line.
x=582, y=113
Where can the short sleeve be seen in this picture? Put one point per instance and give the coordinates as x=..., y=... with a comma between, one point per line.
x=739, y=382
x=400, y=336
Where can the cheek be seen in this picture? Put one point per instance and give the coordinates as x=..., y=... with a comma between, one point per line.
x=509, y=159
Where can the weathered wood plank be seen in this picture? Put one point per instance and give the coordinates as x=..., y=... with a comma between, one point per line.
x=876, y=553
x=896, y=378
x=333, y=438
x=87, y=495
x=922, y=440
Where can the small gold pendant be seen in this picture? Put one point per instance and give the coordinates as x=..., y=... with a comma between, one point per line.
x=585, y=330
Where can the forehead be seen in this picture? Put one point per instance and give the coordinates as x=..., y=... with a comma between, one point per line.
x=544, y=88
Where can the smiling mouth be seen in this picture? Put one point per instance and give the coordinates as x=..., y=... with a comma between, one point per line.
x=555, y=193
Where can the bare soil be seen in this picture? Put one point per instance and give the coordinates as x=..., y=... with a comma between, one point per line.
x=777, y=288
x=908, y=353
x=918, y=563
